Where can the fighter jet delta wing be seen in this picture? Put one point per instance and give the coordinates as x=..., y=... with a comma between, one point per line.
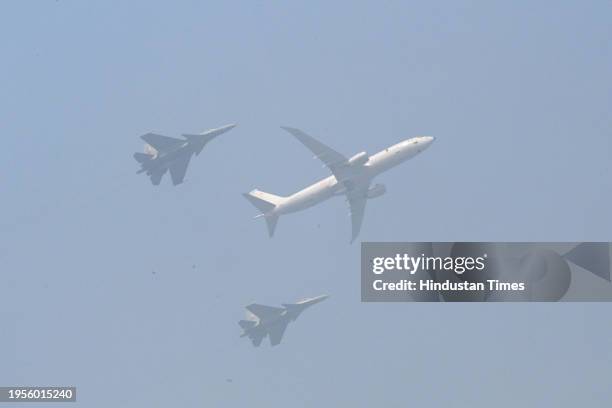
x=276, y=332
x=334, y=161
x=161, y=143
x=178, y=168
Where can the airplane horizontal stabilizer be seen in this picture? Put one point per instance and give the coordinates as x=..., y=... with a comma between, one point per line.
x=592, y=256
x=256, y=338
x=265, y=202
x=247, y=324
x=261, y=204
x=142, y=157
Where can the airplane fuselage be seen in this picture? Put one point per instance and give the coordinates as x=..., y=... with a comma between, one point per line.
x=375, y=164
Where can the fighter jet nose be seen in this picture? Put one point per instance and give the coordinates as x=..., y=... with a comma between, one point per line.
x=315, y=300
x=223, y=129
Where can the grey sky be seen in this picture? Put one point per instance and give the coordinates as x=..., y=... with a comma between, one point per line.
x=518, y=95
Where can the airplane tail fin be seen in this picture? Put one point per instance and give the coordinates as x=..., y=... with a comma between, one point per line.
x=142, y=157
x=592, y=256
x=271, y=224
x=265, y=202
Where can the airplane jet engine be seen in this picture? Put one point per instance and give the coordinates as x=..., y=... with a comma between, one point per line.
x=359, y=159
x=376, y=191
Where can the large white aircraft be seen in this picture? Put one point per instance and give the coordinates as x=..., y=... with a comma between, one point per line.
x=351, y=177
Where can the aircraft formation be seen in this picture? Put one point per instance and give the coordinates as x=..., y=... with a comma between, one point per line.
x=350, y=177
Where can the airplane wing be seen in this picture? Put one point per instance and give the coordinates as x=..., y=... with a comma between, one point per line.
x=334, y=161
x=264, y=312
x=357, y=199
x=156, y=176
x=276, y=332
x=161, y=143
x=178, y=168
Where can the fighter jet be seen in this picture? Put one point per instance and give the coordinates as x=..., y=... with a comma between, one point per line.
x=163, y=153
x=262, y=321
x=351, y=177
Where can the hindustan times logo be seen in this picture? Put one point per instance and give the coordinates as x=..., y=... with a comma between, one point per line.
x=413, y=264
x=485, y=271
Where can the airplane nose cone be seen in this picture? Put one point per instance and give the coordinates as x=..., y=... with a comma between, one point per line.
x=319, y=298
x=428, y=140
x=224, y=129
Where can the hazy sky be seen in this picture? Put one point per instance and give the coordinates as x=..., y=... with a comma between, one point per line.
x=132, y=293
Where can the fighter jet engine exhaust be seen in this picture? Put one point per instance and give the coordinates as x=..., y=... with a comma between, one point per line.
x=150, y=150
